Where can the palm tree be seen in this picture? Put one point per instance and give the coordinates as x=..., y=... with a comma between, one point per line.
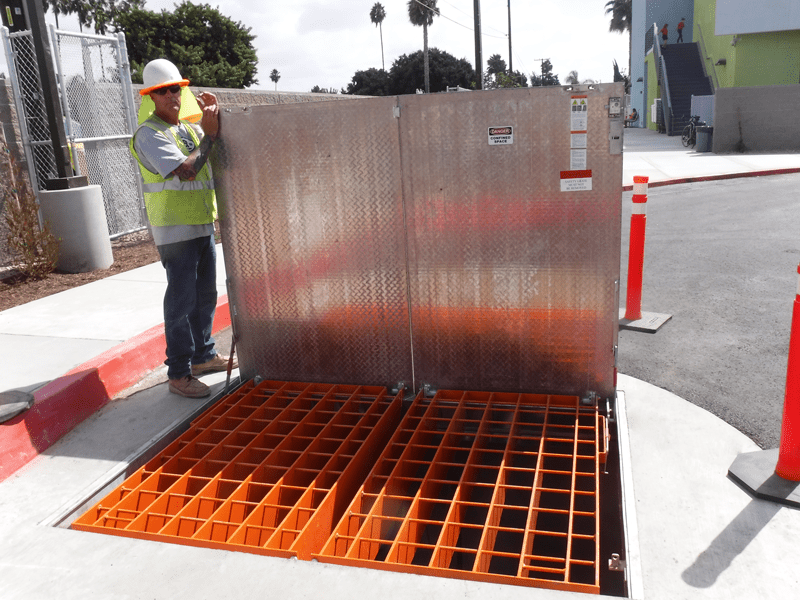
x=377, y=15
x=275, y=76
x=421, y=13
x=621, y=12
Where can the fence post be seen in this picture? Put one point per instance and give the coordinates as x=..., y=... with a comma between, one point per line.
x=633, y=304
x=788, y=465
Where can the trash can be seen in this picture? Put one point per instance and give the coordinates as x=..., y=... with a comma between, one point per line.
x=704, y=136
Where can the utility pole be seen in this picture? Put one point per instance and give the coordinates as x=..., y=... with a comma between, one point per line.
x=510, y=60
x=478, y=50
x=541, y=60
x=64, y=175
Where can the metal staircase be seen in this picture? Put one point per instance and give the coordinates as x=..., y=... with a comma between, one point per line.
x=681, y=77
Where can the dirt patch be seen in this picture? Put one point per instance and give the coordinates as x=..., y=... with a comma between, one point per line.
x=130, y=252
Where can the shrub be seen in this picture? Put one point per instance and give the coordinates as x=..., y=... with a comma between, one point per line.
x=36, y=248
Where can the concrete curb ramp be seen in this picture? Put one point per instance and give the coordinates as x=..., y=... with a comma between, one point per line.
x=67, y=401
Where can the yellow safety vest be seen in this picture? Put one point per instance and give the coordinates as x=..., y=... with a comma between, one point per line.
x=172, y=201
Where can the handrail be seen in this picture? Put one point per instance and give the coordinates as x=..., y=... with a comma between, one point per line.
x=666, y=97
x=713, y=71
x=661, y=76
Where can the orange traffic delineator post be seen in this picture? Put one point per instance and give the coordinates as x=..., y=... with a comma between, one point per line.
x=774, y=474
x=788, y=465
x=633, y=310
x=633, y=317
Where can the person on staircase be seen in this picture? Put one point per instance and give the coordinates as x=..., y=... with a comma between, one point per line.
x=681, y=25
x=664, y=35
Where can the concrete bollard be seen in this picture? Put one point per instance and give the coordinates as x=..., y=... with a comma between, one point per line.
x=77, y=216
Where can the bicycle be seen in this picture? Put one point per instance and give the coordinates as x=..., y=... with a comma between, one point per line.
x=689, y=135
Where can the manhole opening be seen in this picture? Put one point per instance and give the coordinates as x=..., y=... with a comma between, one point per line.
x=519, y=489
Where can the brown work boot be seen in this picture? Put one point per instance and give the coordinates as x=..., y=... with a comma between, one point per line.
x=216, y=365
x=189, y=387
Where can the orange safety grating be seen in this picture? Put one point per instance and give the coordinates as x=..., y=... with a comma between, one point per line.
x=473, y=485
x=484, y=486
x=264, y=470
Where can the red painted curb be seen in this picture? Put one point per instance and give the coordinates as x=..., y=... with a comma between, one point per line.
x=628, y=188
x=67, y=401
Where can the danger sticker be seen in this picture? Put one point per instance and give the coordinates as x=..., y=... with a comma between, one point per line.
x=501, y=136
x=576, y=181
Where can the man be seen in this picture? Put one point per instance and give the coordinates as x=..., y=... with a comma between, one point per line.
x=181, y=206
x=681, y=25
x=664, y=34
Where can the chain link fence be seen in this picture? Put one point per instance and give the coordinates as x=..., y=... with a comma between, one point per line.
x=97, y=104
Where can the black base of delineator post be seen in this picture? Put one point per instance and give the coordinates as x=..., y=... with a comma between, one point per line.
x=649, y=323
x=755, y=472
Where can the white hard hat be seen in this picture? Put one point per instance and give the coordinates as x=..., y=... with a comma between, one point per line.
x=160, y=73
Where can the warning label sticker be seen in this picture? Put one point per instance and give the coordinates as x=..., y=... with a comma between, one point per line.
x=576, y=181
x=579, y=113
x=578, y=139
x=501, y=136
x=577, y=158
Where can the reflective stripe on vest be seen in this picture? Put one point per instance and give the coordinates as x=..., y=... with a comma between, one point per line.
x=172, y=201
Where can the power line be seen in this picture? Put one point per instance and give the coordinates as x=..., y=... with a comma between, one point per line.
x=439, y=13
x=504, y=35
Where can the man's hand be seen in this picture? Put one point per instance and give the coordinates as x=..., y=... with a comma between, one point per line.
x=194, y=163
x=210, y=119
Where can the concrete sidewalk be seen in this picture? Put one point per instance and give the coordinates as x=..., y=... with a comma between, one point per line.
x=664, y=160
x=699, y=535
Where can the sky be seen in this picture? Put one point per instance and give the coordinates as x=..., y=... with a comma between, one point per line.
x=324, y=42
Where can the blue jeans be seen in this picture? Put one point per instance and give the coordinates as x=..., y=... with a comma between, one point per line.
x=189, y=303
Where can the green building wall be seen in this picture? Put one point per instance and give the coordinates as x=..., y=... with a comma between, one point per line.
x=753, y=59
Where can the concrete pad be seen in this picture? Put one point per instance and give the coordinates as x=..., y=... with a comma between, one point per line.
x=700, y=535
x=755, y=472
x=33, y=360
x=42, y=561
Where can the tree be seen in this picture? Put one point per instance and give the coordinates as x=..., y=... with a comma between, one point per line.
x=504, y=80
x=495, y=65
x=275, y=76
x=421, y=13
x=377, y=15
x=208, y=48
x=100, y=13
x=618, y=76
x=372, y=82
x=546, y=78
x=621, y=12
x=573, y=79
x=445, y=70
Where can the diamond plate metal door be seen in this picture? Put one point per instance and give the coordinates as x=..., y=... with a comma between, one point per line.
x=512, y=280
x=361, y=239
x=312, y=225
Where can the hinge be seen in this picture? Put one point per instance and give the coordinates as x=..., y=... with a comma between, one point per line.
x=615, y=563
x=429, y=390
x=396, y=112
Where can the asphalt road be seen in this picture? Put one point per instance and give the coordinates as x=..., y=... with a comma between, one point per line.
x=721, y=257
